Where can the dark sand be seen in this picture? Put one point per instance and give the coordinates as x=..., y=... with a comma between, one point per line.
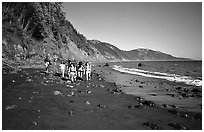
x=29, y=103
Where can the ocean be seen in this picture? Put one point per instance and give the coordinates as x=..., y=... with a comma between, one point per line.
x=188, y=72
x=167, y=82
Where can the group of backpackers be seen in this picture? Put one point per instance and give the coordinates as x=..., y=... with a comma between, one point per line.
x=72, y=69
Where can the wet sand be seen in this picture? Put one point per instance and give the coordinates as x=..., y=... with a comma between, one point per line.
x=39, y=101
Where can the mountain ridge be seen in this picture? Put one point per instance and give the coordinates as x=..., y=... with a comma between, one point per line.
x=31, y=31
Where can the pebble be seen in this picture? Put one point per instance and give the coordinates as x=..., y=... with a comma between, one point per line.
x=151, y=125
x=57, y=93
x=148, y=103
x=195, y=90
x=88, y=91
x=101, y=106
x=87, y=102
x=174, y=106
x=29, y=80
x=71, y=101
x=71, y=113
x=167, y=89
x=178, y=88
x=101, y=86
x=140, y=86
x=35, y=123
x=165, y=105
x=177, y=126
x=8, y=107
x=70, y=86
x=130, y=107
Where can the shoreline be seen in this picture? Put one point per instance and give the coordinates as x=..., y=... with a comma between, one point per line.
x=95, y=105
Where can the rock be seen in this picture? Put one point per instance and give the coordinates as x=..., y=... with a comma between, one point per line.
x=101, y=106
x=87, y=102
x=178, y=88
x=71, y=113
x=165, y=105
x=138, y=98
x=101, y=86
x=29, y=80
x=148, y=103
x=57, y=93
x=140, y=86
x=139, y=105
x=88, y=91
x=151, y=125
x=184, y=95
x=167, y=89
x=185, y=90
x=9, y=107
x=79, y=91
x=177, y=126
x=140, y=64
x=183, y=115
x=152, y=94
x=174, y=106
x=71, y=101
x=195, y=90
x=69, y=86
x=130, y=107
x=35, y=123
x=106, y=64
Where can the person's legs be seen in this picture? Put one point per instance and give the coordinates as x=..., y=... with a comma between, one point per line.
x=81, y=74
x=75, y=76
x=68, y=74
x=46, y=67
x=72, y=77
x=89, y=76
x=86, y=76
x=63, y=72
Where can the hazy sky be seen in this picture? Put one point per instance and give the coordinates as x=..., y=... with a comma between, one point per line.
x=173, y=28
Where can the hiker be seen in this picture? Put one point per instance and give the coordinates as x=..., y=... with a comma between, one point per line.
x=68, y=66
x=88, y=71
x=62, y=68
x=47, y=64
x=80, y=69
x=72, y=71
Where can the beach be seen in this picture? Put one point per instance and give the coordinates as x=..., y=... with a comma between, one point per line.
x=33, y=100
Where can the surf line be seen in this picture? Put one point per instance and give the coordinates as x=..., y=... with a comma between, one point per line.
x=170, y=77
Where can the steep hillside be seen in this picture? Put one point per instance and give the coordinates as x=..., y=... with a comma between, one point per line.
x=31, y=31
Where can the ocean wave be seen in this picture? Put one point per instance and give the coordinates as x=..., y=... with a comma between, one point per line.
x=170, y=77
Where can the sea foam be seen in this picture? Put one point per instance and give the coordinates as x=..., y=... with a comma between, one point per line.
x=170, y=77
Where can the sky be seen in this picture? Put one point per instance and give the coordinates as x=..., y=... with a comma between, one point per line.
x=172, y=28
